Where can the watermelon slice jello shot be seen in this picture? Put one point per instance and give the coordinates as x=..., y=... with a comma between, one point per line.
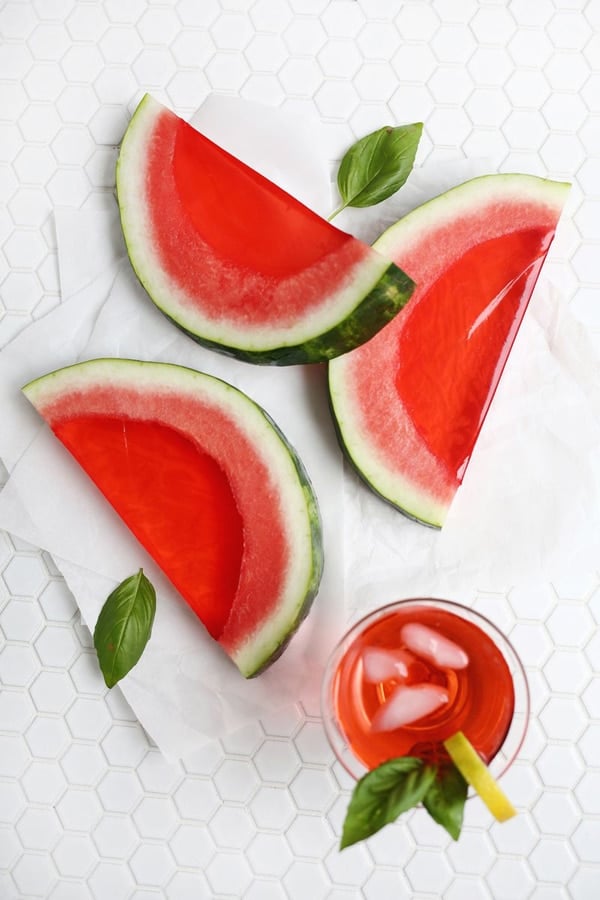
x=431, y=681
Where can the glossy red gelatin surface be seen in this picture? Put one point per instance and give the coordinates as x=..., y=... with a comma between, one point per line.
x=457, y=338
x=241, y=214
x=174, y=497
x=480, y=695
x=219, y=225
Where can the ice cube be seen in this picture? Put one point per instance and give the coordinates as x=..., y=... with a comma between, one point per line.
x=408, y=704
x=380, y=664
x=433, y=646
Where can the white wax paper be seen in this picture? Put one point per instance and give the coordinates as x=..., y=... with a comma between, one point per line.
x=184, y=690
x=528, y=510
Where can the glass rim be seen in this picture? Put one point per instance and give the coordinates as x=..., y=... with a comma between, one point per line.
x=515, y=736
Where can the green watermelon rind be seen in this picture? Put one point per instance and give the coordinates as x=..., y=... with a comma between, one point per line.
x=387, y=298
x=265, y=652
x=447, y=208
x=259, y=650
x=351, y=315
x=411, y=499
x=271, y=648
x=397, y=492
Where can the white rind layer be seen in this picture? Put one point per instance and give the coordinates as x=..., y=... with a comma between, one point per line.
x=496, y=191
x=390, y=483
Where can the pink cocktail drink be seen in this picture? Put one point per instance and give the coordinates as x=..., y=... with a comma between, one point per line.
x=414, y=673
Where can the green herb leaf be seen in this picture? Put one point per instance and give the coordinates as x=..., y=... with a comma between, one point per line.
x=124, y=627
x=383, y=794
x=377, y=165
x=445, y=800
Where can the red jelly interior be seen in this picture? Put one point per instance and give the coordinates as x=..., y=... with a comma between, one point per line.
x=174, y=497
x=457, y=338
x=481, y=695
x=242, y=215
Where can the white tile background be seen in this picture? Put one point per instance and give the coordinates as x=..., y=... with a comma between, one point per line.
x=88, y=808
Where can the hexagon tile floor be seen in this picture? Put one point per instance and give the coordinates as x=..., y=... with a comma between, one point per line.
x=88, y=807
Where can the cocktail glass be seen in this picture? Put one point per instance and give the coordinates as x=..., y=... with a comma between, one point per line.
x=412, y=673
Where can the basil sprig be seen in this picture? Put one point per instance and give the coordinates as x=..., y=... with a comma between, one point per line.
x=377, y=165
x=445, y=800
x=398, y=785
x=124, y=627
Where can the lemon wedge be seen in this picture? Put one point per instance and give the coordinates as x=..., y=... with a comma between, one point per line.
x=476, y=773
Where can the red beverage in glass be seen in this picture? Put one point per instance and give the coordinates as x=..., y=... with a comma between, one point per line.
x=414, y=673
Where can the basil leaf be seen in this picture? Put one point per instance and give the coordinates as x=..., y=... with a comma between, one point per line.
x=445, y=800
x=124, y=627
x=377, y=165
x=383, y=794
